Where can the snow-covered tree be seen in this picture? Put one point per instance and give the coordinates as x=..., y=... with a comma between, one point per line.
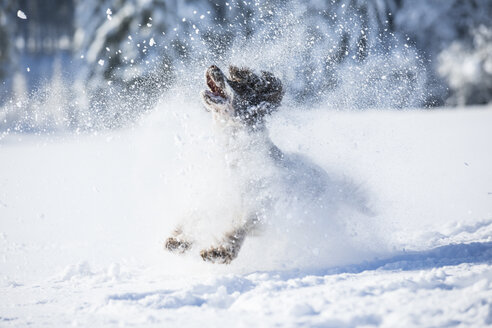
x=467, y=67
x=314, y=44
x=438, y=27
x=345, y=53
x=7, y=49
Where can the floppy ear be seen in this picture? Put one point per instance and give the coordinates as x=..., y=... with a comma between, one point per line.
x=237, y=74
x=272, y=88
x=270, y=91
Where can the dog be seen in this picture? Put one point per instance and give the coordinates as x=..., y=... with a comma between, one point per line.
x=239, y=104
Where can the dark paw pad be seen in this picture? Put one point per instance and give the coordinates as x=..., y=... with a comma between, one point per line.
x=177, y=245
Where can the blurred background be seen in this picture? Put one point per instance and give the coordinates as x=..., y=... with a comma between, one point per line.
x=96, y=64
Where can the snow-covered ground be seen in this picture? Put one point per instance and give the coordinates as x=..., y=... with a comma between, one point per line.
x=83, y=219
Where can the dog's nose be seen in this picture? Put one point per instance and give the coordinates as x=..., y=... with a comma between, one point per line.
x=213, y=67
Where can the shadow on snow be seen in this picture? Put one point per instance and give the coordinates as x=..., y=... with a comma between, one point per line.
x=452, y=254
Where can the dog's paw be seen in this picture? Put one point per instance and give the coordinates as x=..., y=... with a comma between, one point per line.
x=220, y=254
x=177, y=245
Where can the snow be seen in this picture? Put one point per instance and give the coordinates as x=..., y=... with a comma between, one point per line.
x=108, y=14
x=84, y=216
x=376, y=218
x=21, y=14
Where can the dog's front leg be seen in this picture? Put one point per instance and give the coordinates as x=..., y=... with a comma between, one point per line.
x=231, y=244
x=228, y=248
x=178, y=242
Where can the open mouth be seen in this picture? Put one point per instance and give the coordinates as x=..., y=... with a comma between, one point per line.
x=214, y=90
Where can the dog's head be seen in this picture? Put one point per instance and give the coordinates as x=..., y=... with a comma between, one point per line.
x=244, y=96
